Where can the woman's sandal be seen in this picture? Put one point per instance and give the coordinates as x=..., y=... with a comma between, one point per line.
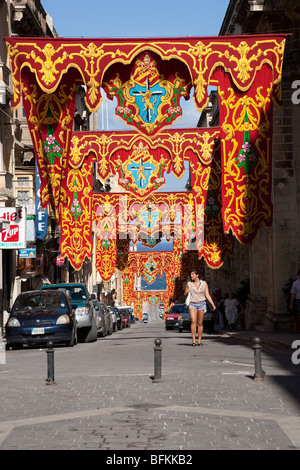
x=200, y=344
x=194, y=344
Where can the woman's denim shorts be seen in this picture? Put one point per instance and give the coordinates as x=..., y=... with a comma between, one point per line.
x=198, y=305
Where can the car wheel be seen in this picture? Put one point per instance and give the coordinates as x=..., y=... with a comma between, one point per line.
x=71, y=343
x=180, y=330
x=92, y=333
x=75, y=336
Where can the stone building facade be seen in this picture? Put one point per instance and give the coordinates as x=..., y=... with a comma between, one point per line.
x=27, y=18
x=17, y=18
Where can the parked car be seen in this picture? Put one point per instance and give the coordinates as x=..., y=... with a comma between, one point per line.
x=125, y=316
x=38, y=317
x=114, y=317
x=184, y=320
x=100, y=319
x=171, y=319
x=119, y=318
x=145, y=318
x=127, y=313
x=85, y=312
x=108, y=318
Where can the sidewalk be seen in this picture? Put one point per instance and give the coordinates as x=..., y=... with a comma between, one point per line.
x=104, y=397
x=284, y=340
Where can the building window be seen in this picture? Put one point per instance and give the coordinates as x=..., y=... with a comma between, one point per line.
x=23, y=181
x=23, y=198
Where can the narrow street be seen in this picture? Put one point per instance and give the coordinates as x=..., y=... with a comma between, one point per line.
x=104, y=397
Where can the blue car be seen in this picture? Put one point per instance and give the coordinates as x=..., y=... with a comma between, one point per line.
x=41, y=316
x=82, y=303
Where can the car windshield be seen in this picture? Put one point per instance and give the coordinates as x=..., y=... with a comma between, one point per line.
x=39, y=300
x=76, y=293
x=177, y=309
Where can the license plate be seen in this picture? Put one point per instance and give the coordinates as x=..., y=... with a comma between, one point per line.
x=38, y=331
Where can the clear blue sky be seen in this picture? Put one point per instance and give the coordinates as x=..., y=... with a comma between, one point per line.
x=138, y=19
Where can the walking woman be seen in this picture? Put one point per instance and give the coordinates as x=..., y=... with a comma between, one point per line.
x=199, y=292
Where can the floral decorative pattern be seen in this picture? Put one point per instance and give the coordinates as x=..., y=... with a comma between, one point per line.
x=246, y=157
x=211, y=207
x=75, y=207
x=51, y=147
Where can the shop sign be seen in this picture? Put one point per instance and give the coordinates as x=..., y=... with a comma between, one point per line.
x=13, y=230
x=41, y=215
x=28, y=252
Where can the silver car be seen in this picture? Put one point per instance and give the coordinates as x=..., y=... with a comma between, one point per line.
x=108, y=318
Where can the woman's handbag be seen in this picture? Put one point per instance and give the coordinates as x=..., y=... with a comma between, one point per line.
x=188, y=299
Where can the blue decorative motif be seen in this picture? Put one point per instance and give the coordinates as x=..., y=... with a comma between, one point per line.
x=148, y=98
x=141, y=172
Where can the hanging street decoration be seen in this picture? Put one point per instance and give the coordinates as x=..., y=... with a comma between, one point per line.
x=230, y=194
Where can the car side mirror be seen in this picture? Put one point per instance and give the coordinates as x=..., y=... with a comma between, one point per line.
x=8, y=310
x=92, y=297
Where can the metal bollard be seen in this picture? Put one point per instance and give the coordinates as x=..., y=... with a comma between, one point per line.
x=50, y=364
x=157, y=361
x=259, y=373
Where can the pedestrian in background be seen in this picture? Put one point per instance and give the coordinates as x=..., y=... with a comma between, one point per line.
x=231, y=310
x=295, y=301
x=199, y=292
x=221, y=311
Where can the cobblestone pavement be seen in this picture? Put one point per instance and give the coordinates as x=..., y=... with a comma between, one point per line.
x=105, y=398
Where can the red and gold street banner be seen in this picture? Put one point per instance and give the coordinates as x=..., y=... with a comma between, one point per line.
x=153, y=297
x=211, y=241
x=50, y=120
x=195, y=57
x=246, y=140
x=216, y=243
x=113, y=213
x=113, y=150
x=76, y=215
x=150, y=265
x=148, y=77
x=128, y=284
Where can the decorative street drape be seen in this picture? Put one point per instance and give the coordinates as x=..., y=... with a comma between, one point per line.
x=230, y=167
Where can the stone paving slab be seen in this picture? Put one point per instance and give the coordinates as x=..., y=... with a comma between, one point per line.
x=159, y=429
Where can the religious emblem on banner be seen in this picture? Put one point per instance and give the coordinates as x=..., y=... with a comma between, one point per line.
x=148, y=100
x=142, y=173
